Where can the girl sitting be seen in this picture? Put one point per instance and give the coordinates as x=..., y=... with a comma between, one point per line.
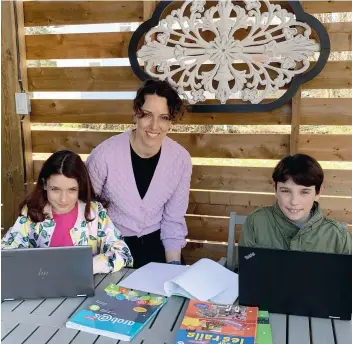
x=62, y=210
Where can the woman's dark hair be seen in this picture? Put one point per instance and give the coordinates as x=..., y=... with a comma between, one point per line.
x=302, y=169
x=161, y=89
x=70, y=165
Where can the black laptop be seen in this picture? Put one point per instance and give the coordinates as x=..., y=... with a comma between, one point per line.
x=295, y=282
x=28, y=273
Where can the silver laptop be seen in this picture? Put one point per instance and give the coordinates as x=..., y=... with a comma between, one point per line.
x=28, y=273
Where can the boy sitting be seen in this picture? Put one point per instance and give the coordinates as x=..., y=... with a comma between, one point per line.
x=295, y=221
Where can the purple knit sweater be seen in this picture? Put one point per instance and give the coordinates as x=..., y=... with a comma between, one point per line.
x=166, y=201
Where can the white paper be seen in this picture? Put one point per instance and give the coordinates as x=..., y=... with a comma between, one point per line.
x=205, y=280
x=151, y=277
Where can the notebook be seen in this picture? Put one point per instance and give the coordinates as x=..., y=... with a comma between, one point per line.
x=205, y=280
x=206, y=322
x=118, y=313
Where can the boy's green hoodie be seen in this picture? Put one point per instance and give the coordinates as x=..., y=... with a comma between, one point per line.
x=268, y=227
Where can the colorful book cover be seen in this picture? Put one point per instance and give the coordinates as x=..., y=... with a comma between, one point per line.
x=206, y=322
x=263, y=329
x=117, y=312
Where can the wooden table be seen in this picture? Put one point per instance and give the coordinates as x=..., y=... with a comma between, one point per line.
x=43, y=322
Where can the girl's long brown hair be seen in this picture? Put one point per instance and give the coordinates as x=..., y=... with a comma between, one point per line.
x=70, y=165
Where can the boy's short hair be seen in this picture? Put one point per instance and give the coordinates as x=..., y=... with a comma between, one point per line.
x=302, y=169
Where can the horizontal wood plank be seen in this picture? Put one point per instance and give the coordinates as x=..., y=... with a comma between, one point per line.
x=341, y=215
x=327, y=147
x=331, y=6
x=120, y=112
x=82, y=79
x=314, y=111
x=335, y=75
x=115, y=44
x=197, y=250
x=326, y=111
x=258, y=179
x=340, y=35
x=43, y=13
x=200, y=200
x=78, y=46
x=217, y=179
x=81, y=111
x=210, y=228
x=253, y=146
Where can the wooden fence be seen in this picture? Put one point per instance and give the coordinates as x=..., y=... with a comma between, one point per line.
x=216, y=189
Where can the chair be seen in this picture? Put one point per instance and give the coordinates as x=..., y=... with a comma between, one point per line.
x=230, y=260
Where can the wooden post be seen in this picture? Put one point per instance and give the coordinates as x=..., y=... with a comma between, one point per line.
x=295, y=122
x=26, y=123
x=14, y=174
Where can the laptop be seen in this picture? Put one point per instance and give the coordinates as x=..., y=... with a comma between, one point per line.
x=28, y=273
x=295, y=282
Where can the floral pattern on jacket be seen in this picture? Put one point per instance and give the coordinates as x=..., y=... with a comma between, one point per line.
x=101, y=234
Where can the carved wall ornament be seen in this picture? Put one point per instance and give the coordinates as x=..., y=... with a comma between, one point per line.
x=250, y=49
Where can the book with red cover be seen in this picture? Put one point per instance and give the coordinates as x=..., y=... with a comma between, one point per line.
x=206, y=322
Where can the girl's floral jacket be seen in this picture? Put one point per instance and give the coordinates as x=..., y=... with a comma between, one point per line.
x=107, y=244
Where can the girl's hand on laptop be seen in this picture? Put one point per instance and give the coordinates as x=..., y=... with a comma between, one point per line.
x=99, y=265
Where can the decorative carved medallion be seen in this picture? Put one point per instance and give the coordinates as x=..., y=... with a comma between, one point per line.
x=250, y=49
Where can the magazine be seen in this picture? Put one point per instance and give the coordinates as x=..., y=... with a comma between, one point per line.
x=117, y=312
x=206, y=322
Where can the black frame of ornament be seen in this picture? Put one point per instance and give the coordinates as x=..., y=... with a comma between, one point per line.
x=301, y=15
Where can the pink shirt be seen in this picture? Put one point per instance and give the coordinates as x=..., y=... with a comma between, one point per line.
x=63, y=224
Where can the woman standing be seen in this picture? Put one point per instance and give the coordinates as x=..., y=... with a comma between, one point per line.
x=146, y=176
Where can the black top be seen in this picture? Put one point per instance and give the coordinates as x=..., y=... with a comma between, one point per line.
x=143, y=169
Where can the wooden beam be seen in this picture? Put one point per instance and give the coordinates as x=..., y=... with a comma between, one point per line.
x=331, y=6
x=237, y=185
x=42, y=13
x=313, y=111
x=26, y=122
x=115, y=44
x=327, y=147
x=206, y=201
x=326, y=111
x=295, y=121
x=241, y=146
x=78, y=46
x=335, y=75
x=105, y=111
x=12, y=178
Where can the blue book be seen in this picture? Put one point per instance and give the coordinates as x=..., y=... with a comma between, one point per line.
x=118, y=313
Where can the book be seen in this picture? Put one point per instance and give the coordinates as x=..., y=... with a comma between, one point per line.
x=206, y=322
x=218, y=284
x=264, y=335
x=117, y=312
